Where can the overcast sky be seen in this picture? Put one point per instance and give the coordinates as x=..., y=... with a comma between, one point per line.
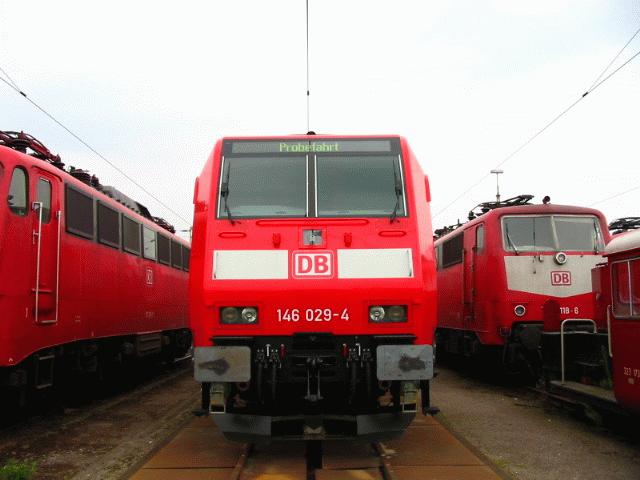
x=152, y=85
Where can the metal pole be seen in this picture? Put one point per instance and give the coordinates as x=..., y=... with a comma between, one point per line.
x=497, y=174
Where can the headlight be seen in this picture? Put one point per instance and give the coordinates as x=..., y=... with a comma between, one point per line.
x=238, y=315
x=249, y=314
x=388, y=314
x=376, y=314
x=561, y=258
x=519, y=310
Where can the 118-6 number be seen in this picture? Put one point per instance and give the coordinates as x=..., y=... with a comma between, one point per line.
x=567, y=310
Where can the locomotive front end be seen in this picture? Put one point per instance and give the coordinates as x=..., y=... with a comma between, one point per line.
x=313, y=302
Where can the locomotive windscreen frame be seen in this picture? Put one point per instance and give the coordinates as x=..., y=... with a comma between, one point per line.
x=313, y=179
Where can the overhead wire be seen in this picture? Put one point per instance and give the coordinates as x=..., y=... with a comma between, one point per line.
x=14, y=87
x=615, y=195
x=14, y=84
x=308, y=96
x=614, y=59
x=598, y=82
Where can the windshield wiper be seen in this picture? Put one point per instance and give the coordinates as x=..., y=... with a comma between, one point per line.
x=224, y=193
x=509, y=239
x=398, y=190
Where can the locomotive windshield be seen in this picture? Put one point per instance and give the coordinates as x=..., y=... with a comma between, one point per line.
x=326, y=178
x=549, y=233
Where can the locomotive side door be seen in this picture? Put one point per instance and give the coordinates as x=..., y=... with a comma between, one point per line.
x=468, y=280
x=45, y=213
x=473, y=245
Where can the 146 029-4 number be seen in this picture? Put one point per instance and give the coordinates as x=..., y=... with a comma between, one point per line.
x=311, y=314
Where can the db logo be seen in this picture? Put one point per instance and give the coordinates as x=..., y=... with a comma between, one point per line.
x=312, y=264
x=149, y=276
x=560, y=278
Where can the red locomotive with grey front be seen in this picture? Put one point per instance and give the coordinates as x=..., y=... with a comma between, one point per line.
x=312, y=288
x=514, y=273
x=86, y=276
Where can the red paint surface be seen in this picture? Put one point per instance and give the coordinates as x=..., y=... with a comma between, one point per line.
x=103, y=291
x=625, y=332
x=473, y=295
x=313, y=292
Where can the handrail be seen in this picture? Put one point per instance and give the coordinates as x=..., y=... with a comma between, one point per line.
x=571, y=320
x=59, y=217
x=609, y=331
x=38, y=206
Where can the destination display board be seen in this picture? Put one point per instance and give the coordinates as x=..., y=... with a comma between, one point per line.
x=311, y=146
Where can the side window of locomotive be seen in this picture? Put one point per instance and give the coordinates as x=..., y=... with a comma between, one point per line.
x=79, y=213
x=130, y=235
x=186, y=254
x=438, y=252
x=621, y=289
x=176, y=254
x=635, y=287
x=452, y=251
x=44, y=196
x=149, y=241
x=480, y=239
x=164, y=249
x=108, y=226
x=18, y=192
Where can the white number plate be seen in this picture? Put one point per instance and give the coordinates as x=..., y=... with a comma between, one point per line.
x=311, y=314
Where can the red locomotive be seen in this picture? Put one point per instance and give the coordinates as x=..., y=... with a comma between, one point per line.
x=312, y=288
x=514, y=272
x=601, y=367
x=86, y=275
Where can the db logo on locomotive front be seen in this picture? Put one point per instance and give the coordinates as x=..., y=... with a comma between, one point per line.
x=560, y=278
x=316, y=264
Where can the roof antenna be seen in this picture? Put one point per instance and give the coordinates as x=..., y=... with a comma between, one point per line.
x=497, y=174
x=308, y=114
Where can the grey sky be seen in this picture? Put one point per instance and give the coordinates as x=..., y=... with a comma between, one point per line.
x=152, y=85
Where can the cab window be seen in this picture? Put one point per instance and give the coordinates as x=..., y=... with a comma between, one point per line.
x=479, y=239
x=44, y=196
x=18, y=192
x=635, y=287
x=621, y=289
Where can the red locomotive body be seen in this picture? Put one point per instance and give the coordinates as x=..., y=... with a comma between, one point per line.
x=83, y=278
x=623, y=255
x=515, y=273
x=601, y=368
x=312, y=289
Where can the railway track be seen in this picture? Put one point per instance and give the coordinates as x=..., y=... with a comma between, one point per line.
x=426, y=450
x=367, y=461
x=103, y=438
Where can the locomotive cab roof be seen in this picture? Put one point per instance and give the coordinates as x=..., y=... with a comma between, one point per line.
x=623, y=243
x=517, y=209
x=28, y=145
